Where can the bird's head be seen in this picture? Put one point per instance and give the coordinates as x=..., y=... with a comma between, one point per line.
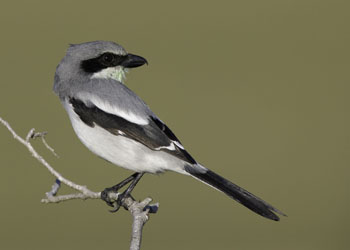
x=98, y=59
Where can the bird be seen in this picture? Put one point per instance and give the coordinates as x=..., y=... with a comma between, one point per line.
x=118, y=126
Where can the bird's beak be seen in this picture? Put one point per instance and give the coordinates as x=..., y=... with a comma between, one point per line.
x=133, y=61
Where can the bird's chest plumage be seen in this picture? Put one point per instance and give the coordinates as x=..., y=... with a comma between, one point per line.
x=121, y=150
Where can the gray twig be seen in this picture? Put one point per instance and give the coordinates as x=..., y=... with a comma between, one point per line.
x=140, y=215
x=139, y=210
x=42, y=136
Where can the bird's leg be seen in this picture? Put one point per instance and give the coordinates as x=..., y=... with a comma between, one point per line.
x=126, y=193
x=115, y=188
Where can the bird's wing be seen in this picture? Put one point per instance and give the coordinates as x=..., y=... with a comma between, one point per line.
x=149, y=130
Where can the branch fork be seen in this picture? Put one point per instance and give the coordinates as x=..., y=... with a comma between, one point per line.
x=139, y=210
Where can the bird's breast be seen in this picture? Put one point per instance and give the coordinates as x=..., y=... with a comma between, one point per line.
x=121, y=150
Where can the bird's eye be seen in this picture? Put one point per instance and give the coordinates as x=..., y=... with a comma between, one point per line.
x=108, y=58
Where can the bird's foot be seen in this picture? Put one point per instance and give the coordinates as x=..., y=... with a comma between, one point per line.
x=119, y=202
x=109, y=194
x=106, y=197
x=115, y=203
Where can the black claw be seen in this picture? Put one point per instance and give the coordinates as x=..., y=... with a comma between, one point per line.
x=105, y=197
x=115, y=209
x=120, y=198
x=116, y=204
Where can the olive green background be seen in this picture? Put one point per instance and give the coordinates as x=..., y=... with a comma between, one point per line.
x=258, y=91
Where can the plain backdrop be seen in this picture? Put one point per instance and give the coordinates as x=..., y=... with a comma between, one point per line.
x=258, y=91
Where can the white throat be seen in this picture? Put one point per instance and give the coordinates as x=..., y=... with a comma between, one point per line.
x=117, y=73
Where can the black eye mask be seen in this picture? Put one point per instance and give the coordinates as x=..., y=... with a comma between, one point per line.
x=108, y=59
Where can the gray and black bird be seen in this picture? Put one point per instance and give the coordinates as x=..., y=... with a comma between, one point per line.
x=114, y=123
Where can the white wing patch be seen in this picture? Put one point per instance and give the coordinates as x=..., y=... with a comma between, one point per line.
x=121, y=132
x=178, y=144
x=170, y=147
x=113, y=109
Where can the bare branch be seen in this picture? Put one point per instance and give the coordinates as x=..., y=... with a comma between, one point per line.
x=140, y=215
x=30, y=134
x=42, y=136
x=54, y=189
x=35, y=154
x=139, y=210
x=80, y=196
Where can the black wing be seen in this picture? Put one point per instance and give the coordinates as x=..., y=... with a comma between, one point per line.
x=155, y=135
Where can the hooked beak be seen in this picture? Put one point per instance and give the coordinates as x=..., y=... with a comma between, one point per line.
x=133, y=61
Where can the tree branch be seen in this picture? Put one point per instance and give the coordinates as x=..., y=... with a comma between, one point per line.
x=139, y=210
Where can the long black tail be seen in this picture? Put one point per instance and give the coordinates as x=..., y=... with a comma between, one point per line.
x=235, y=192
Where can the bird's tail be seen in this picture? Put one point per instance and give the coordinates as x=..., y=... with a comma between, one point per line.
x=235, y=192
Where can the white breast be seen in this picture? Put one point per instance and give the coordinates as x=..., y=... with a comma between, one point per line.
x=121, y=150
